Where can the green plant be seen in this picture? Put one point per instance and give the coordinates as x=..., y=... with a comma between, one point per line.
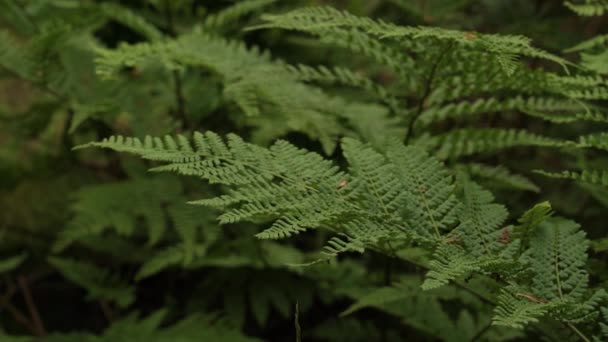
x=379, y=151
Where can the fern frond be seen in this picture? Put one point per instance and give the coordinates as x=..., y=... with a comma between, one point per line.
x=433, y=206
x=596, y=62
x=8, y=264
x=604, y=325
x=130, y=19
x=379, y=52
x=530, y=221
x=597, y=41
x=464, y=142
x=513, y=311
x=318, y=20
x=550, y=109
x=588, y=7
x=368, y=119
x=594, y=115
x=449, y=262
x=15, y=58
x=462, y=77
x=282, y=182
x=476, y=244
x=597, y=93
x=179, y=255
x=599, y=177
x=500, y=175
x=558, y=256
x=17, y=18
x=343, y=76
x=480, y=221
x=372, y=179
x=119, y=206
x=296, y=190
x=264, y=86
x=235, y=12
x=596, y=140
x=378, y=297
x=98, y=282
x=337, y=245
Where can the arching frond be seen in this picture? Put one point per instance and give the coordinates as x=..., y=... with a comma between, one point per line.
x=99, y=282
x=233, y=13
x=318, y=20
x=464, y=142
x=588, y=7
x=556, y=256
x=599, y=177
x=500, y=176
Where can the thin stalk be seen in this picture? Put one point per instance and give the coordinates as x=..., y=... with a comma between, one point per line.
x=31, y=305
x=427, y=91
x=180, y=100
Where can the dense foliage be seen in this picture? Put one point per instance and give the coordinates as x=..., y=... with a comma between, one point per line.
x=321, y=170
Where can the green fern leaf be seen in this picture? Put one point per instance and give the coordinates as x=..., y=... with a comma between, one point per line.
x=476, y=241
x=500, y=175
x=464, y=142
x=8, y=264
x=378, y=297
x=530, y=221
x=119, y=206
x=99, y=283
x=319, y=20
x=235, y=12
x=179, y=255
x=556, y=256
x=599, y=177
x=604, y=325
x=432, y=207
x=449, y=262
x=514, y=312
x=597, y=140
x=588, y=7
x=130, y=19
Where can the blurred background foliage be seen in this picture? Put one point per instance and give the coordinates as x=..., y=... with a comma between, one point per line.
x=94, y=245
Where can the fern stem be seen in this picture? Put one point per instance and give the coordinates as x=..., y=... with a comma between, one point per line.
x=31, y=305
x=427, y=91
x=180, y=100
x=18, y=316
x=578, y=332
x=297, y=323
x=556, y=263
x=481, y=332
x=106, y=310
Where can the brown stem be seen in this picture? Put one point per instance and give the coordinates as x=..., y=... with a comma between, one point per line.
x=18, y=316
x=107, y=311
x=31, y=305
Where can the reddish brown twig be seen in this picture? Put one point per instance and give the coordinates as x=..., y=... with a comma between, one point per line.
x=31, y=306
